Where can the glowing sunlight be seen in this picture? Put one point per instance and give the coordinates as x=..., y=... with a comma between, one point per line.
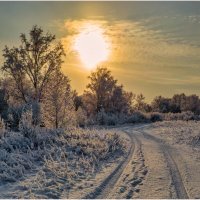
x=91, y=45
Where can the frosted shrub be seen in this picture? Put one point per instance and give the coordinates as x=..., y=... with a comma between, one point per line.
x=26, y=126
x=136, y=117
x=112, y=119
x=154, y=117
x=2, y=127
x=104, y=118
x=15, y=140
x=14, y=116
x=36, y=112
x=62, y=155
x=81, y=117
x=185, y=116
x=100, y=118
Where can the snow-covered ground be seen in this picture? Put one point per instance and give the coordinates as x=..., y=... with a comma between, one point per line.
x=181, y=141
x=57, y=164
x=160, y=160
x=163, y=164
x=179, y=132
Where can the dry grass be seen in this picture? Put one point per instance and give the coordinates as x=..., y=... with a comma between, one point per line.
x=49, y=163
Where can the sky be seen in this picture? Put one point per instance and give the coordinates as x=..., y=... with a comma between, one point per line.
x=154, y=47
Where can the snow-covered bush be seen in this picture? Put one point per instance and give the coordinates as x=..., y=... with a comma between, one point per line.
x=104, y=118
x=14, y=116
x=154, y=117
x=136, y=117
x=81, y=117
x=26, y=126
x=185, y=116
x=2, y=127
x=59, y=154
x=15, y=113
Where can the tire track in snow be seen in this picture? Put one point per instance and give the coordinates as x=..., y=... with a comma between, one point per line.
x=108, y=184
x=177, y=181
x=139, y=170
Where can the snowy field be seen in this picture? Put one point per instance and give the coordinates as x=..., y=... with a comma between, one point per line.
x=56, y=164
x=180, y=132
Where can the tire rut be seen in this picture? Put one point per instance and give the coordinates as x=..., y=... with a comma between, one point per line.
x=135, y=178
x=177, y=181
x=102, y=191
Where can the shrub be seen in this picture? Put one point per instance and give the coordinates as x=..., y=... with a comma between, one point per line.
x=185, y=116
x=104, y=118
x=60, y=154
x=154, y=117
x=137, y=117
x=2, y=127
x=81, y=117
x=26, y=126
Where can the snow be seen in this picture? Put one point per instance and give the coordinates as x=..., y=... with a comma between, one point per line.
x=54, y=163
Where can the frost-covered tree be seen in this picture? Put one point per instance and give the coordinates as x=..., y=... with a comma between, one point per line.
x=32, y=64
x=178, y=103
x=89, y=103
x=104, y=93
x=187, y=103
x=58, y=108
x=140, y=104
x=101, y=86
x=121, y=101
x=161, y=104
x=28, y=69
x=139, y=101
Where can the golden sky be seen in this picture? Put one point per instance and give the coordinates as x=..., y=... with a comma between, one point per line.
x=151, y=47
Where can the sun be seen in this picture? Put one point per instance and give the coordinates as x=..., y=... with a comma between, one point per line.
x=91, y=45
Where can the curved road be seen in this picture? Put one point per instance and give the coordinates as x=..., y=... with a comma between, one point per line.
x=137, y=136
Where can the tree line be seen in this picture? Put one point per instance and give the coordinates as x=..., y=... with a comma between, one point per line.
x=33, y=81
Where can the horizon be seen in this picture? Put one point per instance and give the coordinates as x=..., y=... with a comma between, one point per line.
x=150, y=47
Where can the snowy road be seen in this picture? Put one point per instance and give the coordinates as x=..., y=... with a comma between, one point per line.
x=152, y=169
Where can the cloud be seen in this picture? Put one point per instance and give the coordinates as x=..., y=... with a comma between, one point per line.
x=142, y=55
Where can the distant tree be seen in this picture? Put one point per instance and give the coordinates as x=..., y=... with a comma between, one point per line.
x=58, y=107
x=101, y=86
x=89, y=103
x=32, y=63
x=161, y=104
x=180, y=101
x=193, y=104
x=121, y=101
x=104, y=93
x=140, y=102
x=187, y=103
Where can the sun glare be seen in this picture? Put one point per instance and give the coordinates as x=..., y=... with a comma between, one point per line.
x=91, y=45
